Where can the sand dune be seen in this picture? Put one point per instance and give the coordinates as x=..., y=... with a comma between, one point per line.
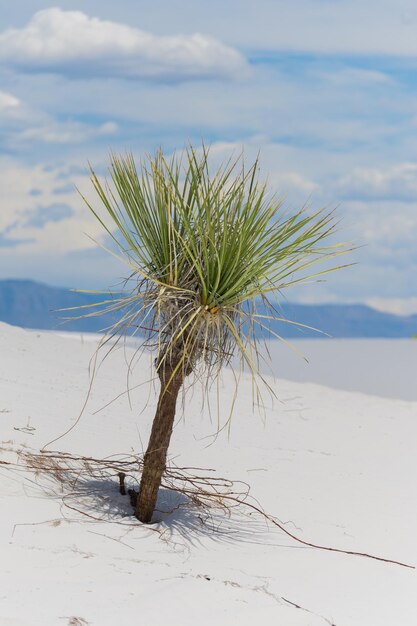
x=336, y=467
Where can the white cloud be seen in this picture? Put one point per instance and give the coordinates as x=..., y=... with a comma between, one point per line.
x=72, y=42
x=398, y=306
x=67, y=132
x=27, y=195
x=22, y=124
x=387, y=228
x=358, y=77
x=293, y=182
x=7, y=102
x=342, y=26
x=397, y=182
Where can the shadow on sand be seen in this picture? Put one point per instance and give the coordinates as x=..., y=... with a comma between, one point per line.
x=176, y=515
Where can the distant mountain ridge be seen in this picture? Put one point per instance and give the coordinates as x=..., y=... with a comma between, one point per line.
x=30, y=304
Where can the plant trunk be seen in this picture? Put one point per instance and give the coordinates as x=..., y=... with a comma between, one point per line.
x=155, y=458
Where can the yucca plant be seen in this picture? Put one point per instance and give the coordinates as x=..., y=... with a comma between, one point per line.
x=204, y=248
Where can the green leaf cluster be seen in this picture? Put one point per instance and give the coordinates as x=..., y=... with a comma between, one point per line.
x=201, y=244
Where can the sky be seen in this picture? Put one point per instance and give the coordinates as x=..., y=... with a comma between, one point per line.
x=325, y=90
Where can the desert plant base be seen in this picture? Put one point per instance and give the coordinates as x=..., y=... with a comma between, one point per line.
x=206, y=491
x=154, y=462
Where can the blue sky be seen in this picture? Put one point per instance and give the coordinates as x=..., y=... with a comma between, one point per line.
x=325, y=89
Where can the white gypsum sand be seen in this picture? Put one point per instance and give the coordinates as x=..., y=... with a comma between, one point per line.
x=338, y=468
